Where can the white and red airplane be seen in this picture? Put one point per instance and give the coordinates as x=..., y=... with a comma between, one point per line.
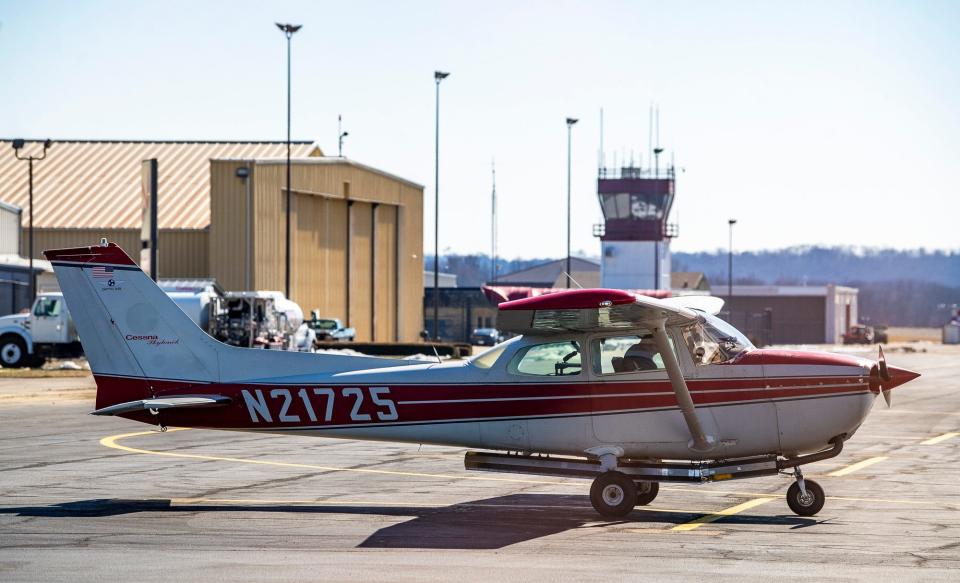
x=627, y=390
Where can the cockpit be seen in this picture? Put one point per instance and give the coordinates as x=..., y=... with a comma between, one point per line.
x=713, y=341
x=709, y=340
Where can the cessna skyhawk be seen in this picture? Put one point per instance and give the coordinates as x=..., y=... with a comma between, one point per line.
x=627, y=390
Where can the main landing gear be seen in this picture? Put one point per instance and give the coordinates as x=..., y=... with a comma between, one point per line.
x=614, y=494
x=620, y=485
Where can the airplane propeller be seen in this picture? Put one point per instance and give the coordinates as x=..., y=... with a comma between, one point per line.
x=884, y=376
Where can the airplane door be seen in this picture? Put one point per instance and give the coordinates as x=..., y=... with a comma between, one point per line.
x=630, y=390
x=634, y=403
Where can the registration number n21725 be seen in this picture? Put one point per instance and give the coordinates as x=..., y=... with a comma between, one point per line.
x=320, y=404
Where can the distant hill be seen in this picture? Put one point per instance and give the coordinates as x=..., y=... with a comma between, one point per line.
x=898, y=288
x=827, y=264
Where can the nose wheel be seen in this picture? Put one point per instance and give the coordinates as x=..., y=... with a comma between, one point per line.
x=805, y=497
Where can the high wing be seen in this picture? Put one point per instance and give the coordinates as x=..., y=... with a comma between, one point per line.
x=592, y=310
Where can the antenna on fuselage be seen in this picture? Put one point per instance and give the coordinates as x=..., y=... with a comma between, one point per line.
x=570, y=277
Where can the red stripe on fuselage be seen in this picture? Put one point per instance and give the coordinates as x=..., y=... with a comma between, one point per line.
x=445, y=403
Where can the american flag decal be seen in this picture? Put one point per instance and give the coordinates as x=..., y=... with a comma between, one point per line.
x=102, y=272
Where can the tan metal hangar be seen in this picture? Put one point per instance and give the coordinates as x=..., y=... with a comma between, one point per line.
x=356, y=231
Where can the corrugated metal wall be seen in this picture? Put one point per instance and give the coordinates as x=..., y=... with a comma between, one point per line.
x=380, y=293
x=228, y=225
x=9, y=230
x=182, y=253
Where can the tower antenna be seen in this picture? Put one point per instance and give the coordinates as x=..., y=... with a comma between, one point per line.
x=600, y=165
x=650, y=135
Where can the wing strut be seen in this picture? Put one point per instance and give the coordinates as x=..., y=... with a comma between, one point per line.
x=701, y=441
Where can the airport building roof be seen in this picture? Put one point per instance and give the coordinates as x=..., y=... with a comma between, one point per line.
x=97, y=184
x=551, y=274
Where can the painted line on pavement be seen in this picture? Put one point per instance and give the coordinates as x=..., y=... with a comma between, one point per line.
x=939, y=438
x=708, y=518
x=112, y=442
x=857, y=466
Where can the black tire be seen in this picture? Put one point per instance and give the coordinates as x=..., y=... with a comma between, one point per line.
x=13, y=352
x=810, y=505
x=613, y=494
x=647, y=492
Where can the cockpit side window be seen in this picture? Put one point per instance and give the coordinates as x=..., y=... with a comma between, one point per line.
x=550, y=359
x=626, y=354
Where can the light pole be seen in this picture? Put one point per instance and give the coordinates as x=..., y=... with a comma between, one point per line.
x=731, y=223
x=438, y=76
x=288, y=30
x=340, y=135
x=570, y=122
x=17, y=146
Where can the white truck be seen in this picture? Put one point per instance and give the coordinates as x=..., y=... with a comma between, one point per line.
x=48, y=330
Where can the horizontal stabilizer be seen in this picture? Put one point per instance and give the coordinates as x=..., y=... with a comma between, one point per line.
x=188, y=401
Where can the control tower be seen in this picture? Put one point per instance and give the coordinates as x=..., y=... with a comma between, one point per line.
x=635, y=235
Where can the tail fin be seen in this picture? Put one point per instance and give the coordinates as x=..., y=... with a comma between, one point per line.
x=139, y=342
x=129, y=326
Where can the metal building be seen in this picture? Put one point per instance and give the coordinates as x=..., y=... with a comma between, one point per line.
x=353, y=227
x=791, y=314
x=357, y=241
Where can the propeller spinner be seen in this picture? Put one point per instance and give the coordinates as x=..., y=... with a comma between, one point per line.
x=886, y=377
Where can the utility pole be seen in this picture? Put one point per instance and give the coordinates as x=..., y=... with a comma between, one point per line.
x=438, y=76
x=17, y=146
x=570, y=122
x=731, y=223
x=288, y=31
x=493, y=222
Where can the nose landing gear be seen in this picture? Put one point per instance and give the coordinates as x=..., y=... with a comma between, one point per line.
x=805, y=497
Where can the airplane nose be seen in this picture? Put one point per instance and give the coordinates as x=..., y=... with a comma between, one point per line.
x=898, y=376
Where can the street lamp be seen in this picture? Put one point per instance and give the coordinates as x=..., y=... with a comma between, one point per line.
x=438, y=76
x=730, y=222
x=340, y=135
x=570, y=122
x=288, y=30
x=17, y=146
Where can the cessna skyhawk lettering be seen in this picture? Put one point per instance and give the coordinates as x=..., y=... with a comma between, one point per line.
x=627, y=390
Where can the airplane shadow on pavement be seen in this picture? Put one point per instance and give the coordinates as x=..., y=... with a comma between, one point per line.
x=491, y=523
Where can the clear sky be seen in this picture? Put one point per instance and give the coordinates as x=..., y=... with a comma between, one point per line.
x=810, y=122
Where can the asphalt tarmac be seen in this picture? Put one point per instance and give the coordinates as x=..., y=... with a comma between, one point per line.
x=104, y=499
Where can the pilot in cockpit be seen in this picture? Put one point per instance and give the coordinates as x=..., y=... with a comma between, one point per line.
x=638, y=357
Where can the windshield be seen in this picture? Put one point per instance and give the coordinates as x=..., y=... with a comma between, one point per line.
x=323, y=324
x=488, y=357
x=714, y=341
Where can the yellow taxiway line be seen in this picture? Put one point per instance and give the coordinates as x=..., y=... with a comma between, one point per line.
x=758, y=497
x=113, y=439
x=939, y=438
x=857, y=466
x=708, y=518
